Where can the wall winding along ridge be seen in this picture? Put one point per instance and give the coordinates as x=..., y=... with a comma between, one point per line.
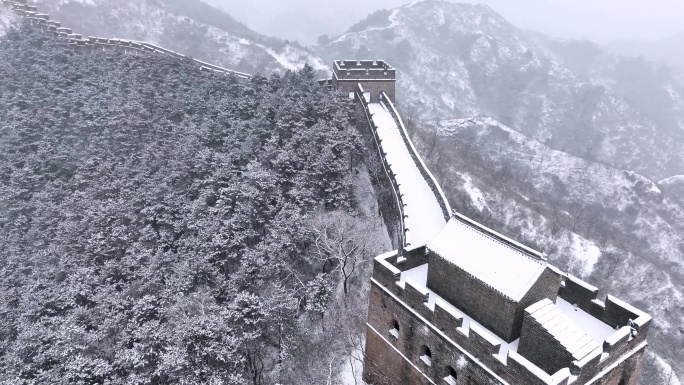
x=423, y=207
x=30, y=13
x=422, y=212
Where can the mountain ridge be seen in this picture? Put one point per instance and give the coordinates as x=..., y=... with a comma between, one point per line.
x=457, y=60
x=190, y=27
x=668, y=51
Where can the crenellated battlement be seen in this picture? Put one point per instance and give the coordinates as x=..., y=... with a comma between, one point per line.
x=612, y=311
x=356, y=70
x=375, y=76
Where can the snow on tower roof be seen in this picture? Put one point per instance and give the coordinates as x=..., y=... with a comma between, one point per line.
x=578, y=340
x=506, y=266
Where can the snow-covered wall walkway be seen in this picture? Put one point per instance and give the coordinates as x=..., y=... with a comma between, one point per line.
x=424, y=217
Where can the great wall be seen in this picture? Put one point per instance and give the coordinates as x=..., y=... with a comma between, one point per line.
x=42, y=20
x=534, y=326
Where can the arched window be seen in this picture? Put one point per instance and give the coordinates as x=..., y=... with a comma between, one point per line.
x=426, y=355
x=394, y=328
x=450, y=376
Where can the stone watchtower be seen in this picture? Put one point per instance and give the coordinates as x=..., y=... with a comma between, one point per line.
x=375, y=76
x=473, y=307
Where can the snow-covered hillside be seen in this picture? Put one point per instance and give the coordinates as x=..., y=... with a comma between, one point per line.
x=459, y=60
x=189, y=26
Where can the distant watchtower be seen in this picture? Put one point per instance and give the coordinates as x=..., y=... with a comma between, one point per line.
x=375, y=76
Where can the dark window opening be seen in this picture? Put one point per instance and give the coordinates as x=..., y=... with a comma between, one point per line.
x=394, y=328
x=450, y=376
x=426, y=355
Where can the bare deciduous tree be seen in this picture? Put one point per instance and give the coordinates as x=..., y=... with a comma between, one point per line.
x=341, y=241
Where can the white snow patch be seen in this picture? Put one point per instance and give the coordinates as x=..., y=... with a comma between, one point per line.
x=476, y=195
x=596, y=329
x=440, y=17
x=292, y=59
x=667, y=370
x=409, y=5
x=352, y=371
x=393, y=19
x=676, y=98
x=585, y=252
x=461, y=363
x=654, y=189
x=84, y=2
x=7, y=19
x=677, y=179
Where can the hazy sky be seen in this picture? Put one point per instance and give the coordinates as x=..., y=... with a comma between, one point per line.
x=598, y=20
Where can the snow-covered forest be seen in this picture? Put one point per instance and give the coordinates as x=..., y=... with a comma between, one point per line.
x=160, y=225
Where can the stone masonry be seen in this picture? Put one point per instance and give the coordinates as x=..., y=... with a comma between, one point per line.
x=375, y=76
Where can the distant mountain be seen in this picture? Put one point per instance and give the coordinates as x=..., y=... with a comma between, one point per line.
x=300, y=20
x=458, y=60
x=190, y=27
x=669, y=51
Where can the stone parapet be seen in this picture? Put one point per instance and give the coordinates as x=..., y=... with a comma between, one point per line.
x=425, y=172
x=364, y=99
x=612, y=311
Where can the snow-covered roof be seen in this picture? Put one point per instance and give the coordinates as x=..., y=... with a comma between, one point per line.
x=598, y=330
x=493, y=259
x=562, y=323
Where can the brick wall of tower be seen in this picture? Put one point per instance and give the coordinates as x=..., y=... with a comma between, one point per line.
x=374, y=87
x=547, y=286
x=626, y=373
x=441, y=330
x=385, y=366
x=484, y=304
x=539, y=347
x=628, y=369
x=500, y=314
